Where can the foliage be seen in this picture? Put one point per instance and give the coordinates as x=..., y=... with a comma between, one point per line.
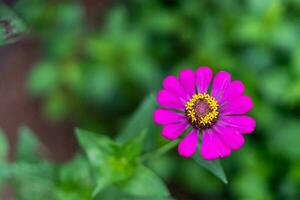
x=95, y=75
x=119, y=166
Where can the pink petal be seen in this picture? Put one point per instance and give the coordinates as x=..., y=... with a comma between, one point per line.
x=187, y=79
x=220, y=84
x=232, y=138
x=163, y=116
x=169, y=100
x=203, y=79
x=188, y=146
x=238, y=105
x=173, y=131
x=172, y=84
x=236, y=88
x=212, y=146
x=243, y=124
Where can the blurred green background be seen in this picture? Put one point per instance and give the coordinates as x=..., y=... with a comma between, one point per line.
x=99, y=60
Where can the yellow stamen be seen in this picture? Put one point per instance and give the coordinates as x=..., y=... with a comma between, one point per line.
x=202, y=119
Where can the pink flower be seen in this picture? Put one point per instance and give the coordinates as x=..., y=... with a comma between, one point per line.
x=189, y=105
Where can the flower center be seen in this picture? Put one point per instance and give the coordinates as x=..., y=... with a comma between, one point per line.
x=202, y=110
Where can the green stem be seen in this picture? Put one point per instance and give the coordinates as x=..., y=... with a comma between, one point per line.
x=162, y=150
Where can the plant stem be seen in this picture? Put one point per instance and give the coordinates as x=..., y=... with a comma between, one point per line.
x=162, y=150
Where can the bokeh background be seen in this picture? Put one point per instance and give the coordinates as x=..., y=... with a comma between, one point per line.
x=90, y=63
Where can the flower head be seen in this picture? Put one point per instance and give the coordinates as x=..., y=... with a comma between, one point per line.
x=216, y=112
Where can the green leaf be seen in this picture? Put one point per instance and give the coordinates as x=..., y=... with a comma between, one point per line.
x=75, y=186
x=12, y=28
x=145, y=183
x=133, y=148
x=27, y=145
x=96, y=146
x=3, y=147
x=213, y=166
x=140, y=120
x=112, y=162
x=116, y=165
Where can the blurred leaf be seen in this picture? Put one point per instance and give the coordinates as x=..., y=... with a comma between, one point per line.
x=75, y=186
x=4, y=167
x=109, y=193
x=294, y=172
x=288, y=189
x=285, y=141
x=114, y=193
x=43, y=78
x=101, y=84
x=213, y=166
x=3, y=147
x=274, y=84
x=250, y=185
x=116, y=22
x=285, y=37
x=72, y=76
x=27, y=145
x=148, y=75
x=65, y=33
x=33, y=181
x=12, y=28
x=141, y=119
x=4, y=176
x=189, y=174
x=258, y=58
x=56, y=106
x=295, y=59
x=145, y=183
x=165, y=166
x=165, y=21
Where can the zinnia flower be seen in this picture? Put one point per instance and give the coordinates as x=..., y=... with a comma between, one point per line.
x=217, y=114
